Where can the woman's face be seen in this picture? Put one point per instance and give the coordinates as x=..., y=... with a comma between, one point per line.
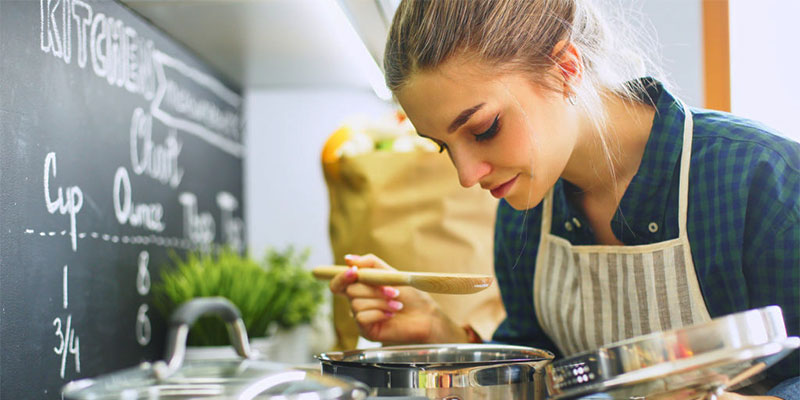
x=503, y=132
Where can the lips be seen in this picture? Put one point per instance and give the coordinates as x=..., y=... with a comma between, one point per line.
x=502, y=190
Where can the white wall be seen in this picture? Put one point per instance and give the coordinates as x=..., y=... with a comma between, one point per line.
x=286, y=200
x=679, y=33
x=764, y=59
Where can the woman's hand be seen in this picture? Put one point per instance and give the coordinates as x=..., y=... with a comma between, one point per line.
x=393, y=315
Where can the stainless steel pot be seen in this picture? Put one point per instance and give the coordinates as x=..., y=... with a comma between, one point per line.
x=698, y=361
x=449, y=371
x=218, y=379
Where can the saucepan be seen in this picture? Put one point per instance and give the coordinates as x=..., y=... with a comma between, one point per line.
x=447, y=371
x=244, y=378
x=697, y=362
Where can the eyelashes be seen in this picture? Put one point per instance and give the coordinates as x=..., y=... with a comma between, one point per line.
x=486, y=135
x=491, y=132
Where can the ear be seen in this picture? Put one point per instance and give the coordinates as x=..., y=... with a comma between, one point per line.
x=568, y=64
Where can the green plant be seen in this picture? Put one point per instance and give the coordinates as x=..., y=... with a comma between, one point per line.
x=279, y=290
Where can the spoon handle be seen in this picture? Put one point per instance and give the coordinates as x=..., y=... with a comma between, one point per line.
x=370, y=276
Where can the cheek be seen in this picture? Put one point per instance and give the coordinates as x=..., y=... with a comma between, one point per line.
x=517, y=146
x=546, y=151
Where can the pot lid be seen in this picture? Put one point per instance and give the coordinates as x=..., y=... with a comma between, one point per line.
x=243, y=379
x=704, y=358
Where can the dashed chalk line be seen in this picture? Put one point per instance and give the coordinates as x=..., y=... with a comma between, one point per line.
x=126, y=239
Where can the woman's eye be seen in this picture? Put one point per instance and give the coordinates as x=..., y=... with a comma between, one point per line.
x=489, y=133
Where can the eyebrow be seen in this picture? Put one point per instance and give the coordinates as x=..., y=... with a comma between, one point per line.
x=462, y=118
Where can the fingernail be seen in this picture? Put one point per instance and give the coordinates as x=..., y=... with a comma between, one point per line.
x=350, y=257
x=395, y=305
x=390, y=292
x=351, y=272
x=388, y=314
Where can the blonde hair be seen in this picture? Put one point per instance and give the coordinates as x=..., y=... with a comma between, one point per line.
x=521, y=35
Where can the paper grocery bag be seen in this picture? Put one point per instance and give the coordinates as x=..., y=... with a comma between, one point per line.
x=409, y=209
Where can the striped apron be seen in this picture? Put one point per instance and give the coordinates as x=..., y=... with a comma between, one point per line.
x=586, y=297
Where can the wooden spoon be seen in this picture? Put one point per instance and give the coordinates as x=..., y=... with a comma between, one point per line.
x=426, y=281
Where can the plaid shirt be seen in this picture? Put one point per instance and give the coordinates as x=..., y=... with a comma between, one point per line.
x=743, y=220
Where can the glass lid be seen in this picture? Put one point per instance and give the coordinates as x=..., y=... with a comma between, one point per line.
x=243, y=378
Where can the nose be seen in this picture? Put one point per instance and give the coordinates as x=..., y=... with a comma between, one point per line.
x=471, y=169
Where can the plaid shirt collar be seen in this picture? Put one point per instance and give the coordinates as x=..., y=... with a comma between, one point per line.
x=648, y=192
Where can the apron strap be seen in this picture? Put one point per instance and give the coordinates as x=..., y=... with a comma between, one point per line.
x=686, y=157
x=547, y=214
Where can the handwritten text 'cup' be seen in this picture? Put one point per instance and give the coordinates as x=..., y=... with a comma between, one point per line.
x=69, y=201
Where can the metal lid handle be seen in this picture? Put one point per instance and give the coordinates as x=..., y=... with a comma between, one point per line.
x=185, y=316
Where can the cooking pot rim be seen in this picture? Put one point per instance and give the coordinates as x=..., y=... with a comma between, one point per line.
x=345, y=358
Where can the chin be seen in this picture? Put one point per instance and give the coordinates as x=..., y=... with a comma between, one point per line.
x=523, y=202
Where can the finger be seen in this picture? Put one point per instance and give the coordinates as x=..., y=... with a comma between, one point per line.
x=363, y=290
x=372, y=316
x=340, y=282
x=361, y=305
x=366, y=261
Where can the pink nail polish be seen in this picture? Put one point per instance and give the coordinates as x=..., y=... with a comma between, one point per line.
x=388, y=314
x=390, y=292
x=349, y=257
x=351, y=272
x=395, y=305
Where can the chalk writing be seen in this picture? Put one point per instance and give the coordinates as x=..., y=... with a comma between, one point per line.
x=49, y=25
x=201, y=110
x=143, y=275
x=82, y=13
x=180, y=109
x=159, y=161
x=144, y=215
x=143, y=328
x=232, y=227
x=69, y=343
x=198, y=227
x=116, y=51
x=162, y=241
x=66, y=202
x=127, y=60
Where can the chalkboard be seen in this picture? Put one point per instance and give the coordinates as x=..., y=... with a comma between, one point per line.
x=117, y=146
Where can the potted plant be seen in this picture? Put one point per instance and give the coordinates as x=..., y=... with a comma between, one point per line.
x=274, y=295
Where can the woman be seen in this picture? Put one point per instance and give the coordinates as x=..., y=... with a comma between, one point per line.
x=623, y=211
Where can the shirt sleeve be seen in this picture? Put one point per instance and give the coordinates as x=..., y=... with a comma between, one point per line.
x=787, y=390
x=771, y=258
x=515, y=246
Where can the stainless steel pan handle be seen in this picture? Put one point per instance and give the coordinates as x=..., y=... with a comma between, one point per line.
x=185, y=316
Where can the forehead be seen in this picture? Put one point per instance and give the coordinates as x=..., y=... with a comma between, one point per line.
x=433, y=98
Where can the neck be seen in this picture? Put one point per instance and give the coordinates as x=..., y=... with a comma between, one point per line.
x=607, y=170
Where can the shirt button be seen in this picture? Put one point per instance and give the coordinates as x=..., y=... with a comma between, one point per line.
x=568, y=226
x=653, y=227
x=577, y=222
